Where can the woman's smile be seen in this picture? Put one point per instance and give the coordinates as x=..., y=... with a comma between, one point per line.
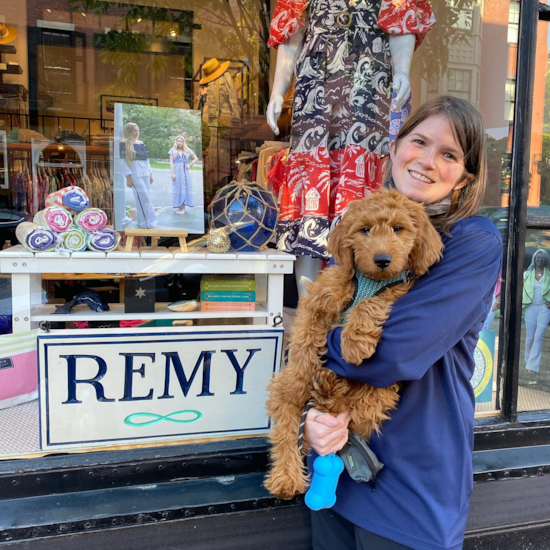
x=420, y=177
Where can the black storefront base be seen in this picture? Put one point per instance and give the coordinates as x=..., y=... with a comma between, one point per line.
x=210, y=496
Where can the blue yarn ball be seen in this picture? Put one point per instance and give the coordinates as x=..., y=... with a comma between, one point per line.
x=249, y=210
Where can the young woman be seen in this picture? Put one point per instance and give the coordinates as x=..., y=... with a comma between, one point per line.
x=135, y=166
x=422, y=495
x=182, y=187
x=536, y=307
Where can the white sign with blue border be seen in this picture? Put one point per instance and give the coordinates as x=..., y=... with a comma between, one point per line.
x=113, y=387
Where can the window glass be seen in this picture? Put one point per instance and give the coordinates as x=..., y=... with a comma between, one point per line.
x=534, y=366
x=470, y=54
x=75, y=73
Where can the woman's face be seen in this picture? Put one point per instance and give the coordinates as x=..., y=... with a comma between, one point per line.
x=179, y=142
x=540, y=261
x=429, y=163
x=136, y=131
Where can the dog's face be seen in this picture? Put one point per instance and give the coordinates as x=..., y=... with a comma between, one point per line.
x=384, y=235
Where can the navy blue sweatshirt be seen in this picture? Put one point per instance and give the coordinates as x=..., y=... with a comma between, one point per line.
x=422, y=495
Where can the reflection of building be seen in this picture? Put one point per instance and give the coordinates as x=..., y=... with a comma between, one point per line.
x=479, y=72
x=462, y=78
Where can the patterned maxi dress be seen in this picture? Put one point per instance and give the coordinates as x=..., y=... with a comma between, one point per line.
x=182, y=186
x=341, y=112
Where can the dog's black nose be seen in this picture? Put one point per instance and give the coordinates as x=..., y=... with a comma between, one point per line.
x=382, y=260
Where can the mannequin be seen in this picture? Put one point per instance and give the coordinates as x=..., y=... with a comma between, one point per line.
x=352, y=167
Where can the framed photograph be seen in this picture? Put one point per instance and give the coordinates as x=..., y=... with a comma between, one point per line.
x=107, y=105
x=158, y=168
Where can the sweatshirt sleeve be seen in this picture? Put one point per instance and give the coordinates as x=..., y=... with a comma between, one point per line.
x=433, y=316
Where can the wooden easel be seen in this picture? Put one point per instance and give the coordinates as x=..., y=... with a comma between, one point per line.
x=155, y=235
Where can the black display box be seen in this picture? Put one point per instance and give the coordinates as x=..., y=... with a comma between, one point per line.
x=139, y=295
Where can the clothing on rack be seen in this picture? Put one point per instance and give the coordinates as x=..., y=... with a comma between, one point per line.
x=266, y=152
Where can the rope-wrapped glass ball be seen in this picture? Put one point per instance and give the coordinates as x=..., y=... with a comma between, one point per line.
x=248, y=211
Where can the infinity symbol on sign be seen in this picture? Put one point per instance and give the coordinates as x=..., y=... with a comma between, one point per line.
x=129, y=420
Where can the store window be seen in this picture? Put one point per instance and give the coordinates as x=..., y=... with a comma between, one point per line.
x=513, y=22
x=534, y=364
x=460, y=83
x=79, y=81
x=509, y=95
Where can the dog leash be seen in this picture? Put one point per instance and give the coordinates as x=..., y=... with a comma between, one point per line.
x=302, y=423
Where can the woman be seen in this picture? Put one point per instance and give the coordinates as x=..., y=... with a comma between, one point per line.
x=134, y=161
x=536, y=307
x=182, y=187
x=422, y=495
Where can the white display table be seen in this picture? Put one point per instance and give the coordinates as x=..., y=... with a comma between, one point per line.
x=27, y=268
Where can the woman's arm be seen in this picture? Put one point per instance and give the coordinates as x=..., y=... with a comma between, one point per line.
x=194, y=161
x=433, y=317
x=287, y=55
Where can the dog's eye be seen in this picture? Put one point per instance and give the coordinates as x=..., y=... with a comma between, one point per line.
x=397, y=228
x=366, y=230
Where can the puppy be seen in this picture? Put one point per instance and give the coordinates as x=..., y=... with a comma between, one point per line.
x=384, y=236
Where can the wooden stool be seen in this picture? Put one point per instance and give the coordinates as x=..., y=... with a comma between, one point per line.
x=155, y=235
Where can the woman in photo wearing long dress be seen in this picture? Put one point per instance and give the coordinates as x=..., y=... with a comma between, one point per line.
x=536, y=307
x=182, y=187
x=135, y=166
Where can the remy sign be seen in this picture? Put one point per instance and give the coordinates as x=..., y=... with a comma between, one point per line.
x=110, y=387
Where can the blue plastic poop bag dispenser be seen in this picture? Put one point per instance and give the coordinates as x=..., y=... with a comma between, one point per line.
x=326, y=472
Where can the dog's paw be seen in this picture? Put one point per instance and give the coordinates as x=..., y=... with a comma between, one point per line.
x=357, y=346
x=285, y=487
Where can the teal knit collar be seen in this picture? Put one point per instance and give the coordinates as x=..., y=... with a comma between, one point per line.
x=367, y=287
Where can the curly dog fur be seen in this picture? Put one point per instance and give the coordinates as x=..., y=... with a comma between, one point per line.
x=384, y=223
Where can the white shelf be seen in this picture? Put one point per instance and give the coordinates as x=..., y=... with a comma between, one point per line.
x=116, y=312
x=17, y=260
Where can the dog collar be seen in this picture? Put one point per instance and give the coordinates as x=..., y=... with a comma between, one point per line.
x=365, y=287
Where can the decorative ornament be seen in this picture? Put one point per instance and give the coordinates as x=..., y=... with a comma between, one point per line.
x=218, y=241
x=140, y=293
x=249, y=213
x=183, y=305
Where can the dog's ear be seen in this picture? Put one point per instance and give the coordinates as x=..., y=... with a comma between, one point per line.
x=428, y=247
x=338, y=246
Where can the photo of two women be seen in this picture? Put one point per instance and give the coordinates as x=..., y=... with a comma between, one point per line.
x=158, y=163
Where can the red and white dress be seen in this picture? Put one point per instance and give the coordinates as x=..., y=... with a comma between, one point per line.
x=341, y=112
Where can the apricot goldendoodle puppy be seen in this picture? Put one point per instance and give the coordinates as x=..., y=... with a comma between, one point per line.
x=380, y=237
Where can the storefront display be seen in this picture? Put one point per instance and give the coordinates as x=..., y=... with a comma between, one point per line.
x=257, y=124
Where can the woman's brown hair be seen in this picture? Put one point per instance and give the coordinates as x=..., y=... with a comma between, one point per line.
x=469, y=132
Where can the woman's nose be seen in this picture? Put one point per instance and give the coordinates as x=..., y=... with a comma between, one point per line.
x=428, y=159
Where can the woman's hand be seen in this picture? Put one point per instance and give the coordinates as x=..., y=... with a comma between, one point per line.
x=402, y=88
x=173, y=176
x=151, y=179
x=129, y=182
x=325, y=433
x=274, y=109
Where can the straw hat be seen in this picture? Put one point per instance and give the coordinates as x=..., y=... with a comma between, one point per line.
x=213, y=69
x=8, y=33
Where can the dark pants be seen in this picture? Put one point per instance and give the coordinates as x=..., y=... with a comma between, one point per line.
x=331, y=531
